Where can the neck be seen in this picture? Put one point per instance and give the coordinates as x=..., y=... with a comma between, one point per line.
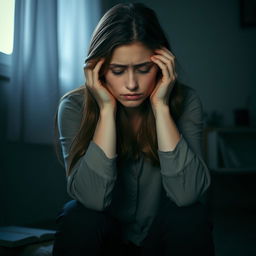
x=133, y=113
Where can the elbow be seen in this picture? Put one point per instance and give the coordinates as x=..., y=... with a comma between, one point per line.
x=188, y=193
x=98, y=202
x=96, y=207
x=185, y=200
x=193, y=196
x=189, y=200
x=100, y=205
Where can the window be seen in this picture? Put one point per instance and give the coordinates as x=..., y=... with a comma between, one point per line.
x=6, y=34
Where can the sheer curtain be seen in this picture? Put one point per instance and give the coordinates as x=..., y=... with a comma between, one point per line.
x=50, y=44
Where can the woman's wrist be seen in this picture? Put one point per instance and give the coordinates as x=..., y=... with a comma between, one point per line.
x=107, y=111
x=160, y=108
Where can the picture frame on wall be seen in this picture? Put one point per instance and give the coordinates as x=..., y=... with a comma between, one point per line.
x=248, y=13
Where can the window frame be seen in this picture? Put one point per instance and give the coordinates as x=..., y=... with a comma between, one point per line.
x=5, y=64
x=6, y=59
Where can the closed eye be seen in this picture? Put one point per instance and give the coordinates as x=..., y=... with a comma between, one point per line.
x=117, y=71
x=141, y=68
x=145, y=69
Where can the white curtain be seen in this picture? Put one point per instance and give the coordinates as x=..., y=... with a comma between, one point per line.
x=77, y=20
x=50, y=43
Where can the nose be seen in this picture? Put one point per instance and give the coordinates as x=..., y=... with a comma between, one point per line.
x=131, y=82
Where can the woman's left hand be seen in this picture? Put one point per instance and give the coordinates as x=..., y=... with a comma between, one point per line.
x=165, y=61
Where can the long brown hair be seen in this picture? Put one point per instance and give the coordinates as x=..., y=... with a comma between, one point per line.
x=122, y=25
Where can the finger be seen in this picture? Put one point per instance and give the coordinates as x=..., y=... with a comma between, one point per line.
x=90, y=64
x=163, y=67
x=165, y=53
x=168, y=63
x=88, y=75
x=164, y=58
x=96, y=71
x=173, y=58
x=168, y=51
x=88, y=67
x=170, y=66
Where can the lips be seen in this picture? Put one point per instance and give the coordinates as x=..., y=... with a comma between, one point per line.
x=135, y=94
x=132, y=96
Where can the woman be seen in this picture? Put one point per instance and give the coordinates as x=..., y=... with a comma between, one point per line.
x=131, y=142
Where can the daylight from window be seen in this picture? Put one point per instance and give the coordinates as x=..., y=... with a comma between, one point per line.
x=6, y=25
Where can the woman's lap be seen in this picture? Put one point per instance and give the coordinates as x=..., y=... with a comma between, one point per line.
x=179, y=230
x=83, y=230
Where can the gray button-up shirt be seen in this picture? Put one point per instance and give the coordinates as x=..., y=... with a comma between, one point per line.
x=132, y=194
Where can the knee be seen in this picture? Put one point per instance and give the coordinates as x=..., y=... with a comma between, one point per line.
x=80, y=228
x=190, y=229
x=190, y=220
x=76, y=216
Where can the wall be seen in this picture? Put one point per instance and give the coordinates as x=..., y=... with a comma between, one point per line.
x=217, y=56
x=34, y=185
x=32, y=181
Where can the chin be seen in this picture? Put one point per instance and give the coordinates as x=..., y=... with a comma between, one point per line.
x=131, y=104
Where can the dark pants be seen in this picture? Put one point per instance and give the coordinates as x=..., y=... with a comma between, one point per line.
x=174, y=231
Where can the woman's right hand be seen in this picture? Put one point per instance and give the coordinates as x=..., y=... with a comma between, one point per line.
x=103, y=97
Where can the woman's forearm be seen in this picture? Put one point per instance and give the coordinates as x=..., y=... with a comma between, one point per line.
x=168, y=135
x=105, y=132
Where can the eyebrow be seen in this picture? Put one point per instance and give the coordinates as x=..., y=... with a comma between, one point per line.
x=136, y=66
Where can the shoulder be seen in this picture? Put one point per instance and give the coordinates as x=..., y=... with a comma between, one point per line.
x=191, y=98
x=72, y=101
x=189, y=93
x=70, y=110
x=192, y=108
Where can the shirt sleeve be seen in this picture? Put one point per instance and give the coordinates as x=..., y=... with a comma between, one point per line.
x=93, y=176
x=185, y=175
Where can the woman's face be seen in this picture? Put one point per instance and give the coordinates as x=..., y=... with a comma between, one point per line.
x=131, y=75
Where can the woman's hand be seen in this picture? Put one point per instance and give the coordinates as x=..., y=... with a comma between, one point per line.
x=165, y=61
x=103, y=97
